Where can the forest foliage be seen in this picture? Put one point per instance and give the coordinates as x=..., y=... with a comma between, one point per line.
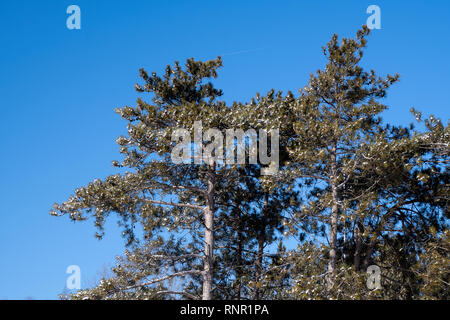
x=351, y=191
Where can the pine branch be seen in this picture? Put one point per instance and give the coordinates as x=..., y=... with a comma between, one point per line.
x=180, y=293
x=170, y=276
x=170, y=203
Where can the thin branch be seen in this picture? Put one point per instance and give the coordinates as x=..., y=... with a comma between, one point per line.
x=170, y=276
x=163, y=185
x=170, y=203
x=180, y=293
x=183, y=256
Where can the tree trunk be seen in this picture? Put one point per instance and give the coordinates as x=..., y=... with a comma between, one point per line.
x=358, y=246
x=261, y=241
x=209, y=236
x=334, y=221
x=239, y=258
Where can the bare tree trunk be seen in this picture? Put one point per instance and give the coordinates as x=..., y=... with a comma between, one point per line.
x=261, y=241
x=369, y=253
x=239, y=258
x=209, y=236
x=358, y=246
x=259, y=262
x=333, y=222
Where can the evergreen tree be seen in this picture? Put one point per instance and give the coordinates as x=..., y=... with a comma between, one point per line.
x=353, y=191
x=158, y=193
x=337, y=115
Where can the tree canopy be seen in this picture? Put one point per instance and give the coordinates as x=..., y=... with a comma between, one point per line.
x=349, y=190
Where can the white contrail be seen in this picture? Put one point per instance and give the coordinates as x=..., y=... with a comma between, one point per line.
x=240, y=52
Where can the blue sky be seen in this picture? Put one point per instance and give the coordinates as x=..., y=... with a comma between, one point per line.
x=59, y=87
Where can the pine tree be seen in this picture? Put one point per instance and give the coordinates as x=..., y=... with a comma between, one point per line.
x=159, y=193
x=337, y=115
x=378, y=194
x=225, y=208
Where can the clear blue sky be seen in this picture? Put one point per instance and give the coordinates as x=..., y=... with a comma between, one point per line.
x=58, y=89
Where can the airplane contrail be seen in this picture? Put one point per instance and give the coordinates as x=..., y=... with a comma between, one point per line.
x=242, y=51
